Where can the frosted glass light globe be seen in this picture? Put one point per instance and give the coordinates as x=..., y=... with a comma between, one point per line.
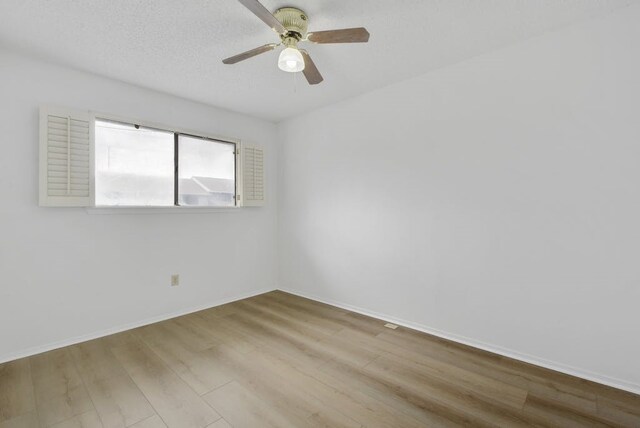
x=291, y=60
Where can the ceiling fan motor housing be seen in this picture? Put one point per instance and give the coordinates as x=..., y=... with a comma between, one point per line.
x=294, y=20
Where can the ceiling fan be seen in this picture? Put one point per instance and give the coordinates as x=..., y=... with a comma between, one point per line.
x=291, y=25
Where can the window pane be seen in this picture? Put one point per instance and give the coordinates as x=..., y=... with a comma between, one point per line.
x=206, y=172
x=133, y=166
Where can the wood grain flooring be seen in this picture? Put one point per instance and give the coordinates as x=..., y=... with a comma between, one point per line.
x=278, y=360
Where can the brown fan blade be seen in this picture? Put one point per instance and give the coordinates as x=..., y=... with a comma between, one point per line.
x=261, y=12
x=347, y=35
x=310, y=70
x=250, y=54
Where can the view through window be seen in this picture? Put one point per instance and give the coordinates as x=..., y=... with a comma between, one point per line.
x=139, y=166
x=206, y=172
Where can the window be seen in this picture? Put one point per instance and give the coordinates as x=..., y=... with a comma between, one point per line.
x=140, y=166
x=134, y=165
x=206, y=172
x=87, y=161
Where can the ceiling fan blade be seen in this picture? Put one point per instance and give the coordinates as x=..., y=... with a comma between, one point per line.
x=310, y=70
x=347, y=35
x=261, y=12
x=250, y=54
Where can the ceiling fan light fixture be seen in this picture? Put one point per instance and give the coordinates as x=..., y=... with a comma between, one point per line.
x=291, y=24
x=291, y=60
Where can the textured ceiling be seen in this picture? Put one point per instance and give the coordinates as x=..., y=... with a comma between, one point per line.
x=176, y=46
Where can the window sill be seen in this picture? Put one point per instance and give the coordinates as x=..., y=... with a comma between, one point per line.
x=159, y=210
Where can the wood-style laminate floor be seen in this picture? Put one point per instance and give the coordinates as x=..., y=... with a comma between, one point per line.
x=277, y=360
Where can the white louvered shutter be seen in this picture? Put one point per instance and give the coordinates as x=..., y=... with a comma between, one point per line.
x=253, y=176
x=66, y=159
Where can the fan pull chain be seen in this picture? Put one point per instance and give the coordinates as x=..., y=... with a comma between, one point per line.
x=295, y=82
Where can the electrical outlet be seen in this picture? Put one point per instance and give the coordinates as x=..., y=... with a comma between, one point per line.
x=175, y=280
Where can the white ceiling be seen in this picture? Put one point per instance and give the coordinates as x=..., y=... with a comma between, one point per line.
x=176, y=46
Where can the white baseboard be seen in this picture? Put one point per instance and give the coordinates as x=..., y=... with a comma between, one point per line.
x=95, y=335
x=537, y=361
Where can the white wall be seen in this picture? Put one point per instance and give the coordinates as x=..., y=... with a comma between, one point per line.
x=496, y=201
x=66, y=274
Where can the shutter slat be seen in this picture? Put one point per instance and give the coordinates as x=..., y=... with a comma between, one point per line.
x=73, y=193
x=63, y=175
x=75, y=144
x=63, y=168
x=62, y=139
x=56, y=149
x=62, y=184
x=59, y=134
x=62, y=155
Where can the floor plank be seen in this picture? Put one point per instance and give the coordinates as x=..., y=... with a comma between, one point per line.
x=553, y=414
x=119, y=402
x=177, y=404
x=194, y=367
x=85, y=420
x=221, y=330
x=416, y=406
x=423, y=386
x=333, y=393
x=117, y=399
x=94, y=360
x=491, y=390
x=16, y=390
x=274, y=385
x=220, y=423
x=153, y=422
x=620, y=408
x=283, y=342
x=26, y=420
x=324, y=345
x=243, y=409
x=59, y=391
